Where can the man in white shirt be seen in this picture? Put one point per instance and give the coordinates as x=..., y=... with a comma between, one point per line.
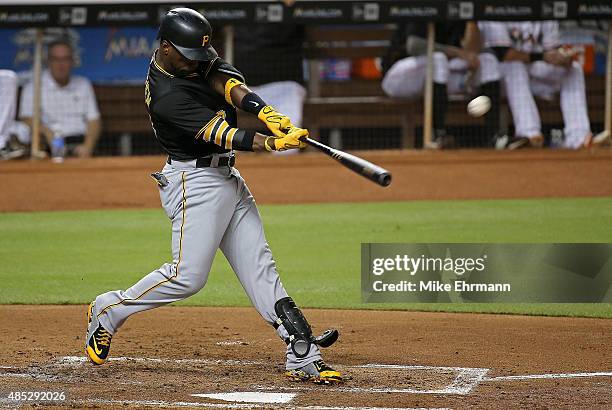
x=68, y=103
x=8, y=103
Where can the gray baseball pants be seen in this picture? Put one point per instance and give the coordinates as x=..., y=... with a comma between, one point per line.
x=210, y=208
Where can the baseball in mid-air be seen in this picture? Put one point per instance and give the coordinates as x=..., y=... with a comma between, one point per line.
x=479, y=106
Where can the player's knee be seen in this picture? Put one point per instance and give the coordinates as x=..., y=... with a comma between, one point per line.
x=390, y=86
x=193, y=287
x=190, y=282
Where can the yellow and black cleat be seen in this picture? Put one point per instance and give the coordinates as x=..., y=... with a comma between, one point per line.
x=317, y=372
x=97, y=342
x=98, y=345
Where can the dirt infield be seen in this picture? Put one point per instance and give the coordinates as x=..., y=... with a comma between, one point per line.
x=414, y=359
x=396, y=359
x=125, y=183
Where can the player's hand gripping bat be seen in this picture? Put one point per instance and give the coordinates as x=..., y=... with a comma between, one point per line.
x=364, y=168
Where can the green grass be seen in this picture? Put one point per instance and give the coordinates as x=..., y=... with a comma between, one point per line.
x=69, y=257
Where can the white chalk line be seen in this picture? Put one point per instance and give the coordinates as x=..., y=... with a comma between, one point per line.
x=249, y=397
x=465, y=381
x=70, y=360
x=232, y=343
x=548, y=376
x=163, y=403
x=170, y=404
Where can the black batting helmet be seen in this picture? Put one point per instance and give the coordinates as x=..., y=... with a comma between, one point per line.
x=189, y=32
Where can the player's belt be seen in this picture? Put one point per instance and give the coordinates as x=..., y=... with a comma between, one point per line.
x=213, y=161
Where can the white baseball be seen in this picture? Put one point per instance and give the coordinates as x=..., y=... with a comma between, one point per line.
x=479, y=106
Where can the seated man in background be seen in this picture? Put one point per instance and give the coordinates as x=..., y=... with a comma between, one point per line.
x=8, y=105
x=459, y=58
x=272, y=58
x=69, y=110
x=531, y=62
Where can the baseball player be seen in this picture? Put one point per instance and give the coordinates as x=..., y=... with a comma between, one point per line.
x=461, y=59
x=192, y=96
x=8, y=105
x=532, y=63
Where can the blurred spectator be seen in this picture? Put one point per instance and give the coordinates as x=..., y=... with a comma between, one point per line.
x=271, y=57
x=532, y=62
x=458, y=67
x=9, y=149
x=68, y=104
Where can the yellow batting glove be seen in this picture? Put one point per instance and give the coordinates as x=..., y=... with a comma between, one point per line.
x=293, y=140
x=279, y=124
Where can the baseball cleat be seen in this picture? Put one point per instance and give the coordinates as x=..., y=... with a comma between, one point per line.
x=98, y=339
x=317, y=372
x=524, y=142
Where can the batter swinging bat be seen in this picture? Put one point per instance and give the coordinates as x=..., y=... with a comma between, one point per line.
x=364, y=168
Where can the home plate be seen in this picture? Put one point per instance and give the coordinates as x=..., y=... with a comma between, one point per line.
x=250, y=397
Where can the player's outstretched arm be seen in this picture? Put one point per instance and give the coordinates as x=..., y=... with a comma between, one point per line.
x=239, y=95
x=286, y=135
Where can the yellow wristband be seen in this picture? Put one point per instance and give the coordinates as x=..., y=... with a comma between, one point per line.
x=267, y=146
x=231, y=83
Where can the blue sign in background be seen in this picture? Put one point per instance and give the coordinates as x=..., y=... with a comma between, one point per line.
x=102, y=54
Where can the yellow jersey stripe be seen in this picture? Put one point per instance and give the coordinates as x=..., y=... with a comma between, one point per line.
x=199, y=134
x=230, y=137
x=210, y=126
x=219, y=133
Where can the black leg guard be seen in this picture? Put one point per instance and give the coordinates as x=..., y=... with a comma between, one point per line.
x=299, y=330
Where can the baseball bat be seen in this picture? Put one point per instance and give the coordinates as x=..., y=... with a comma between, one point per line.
x=359, y=165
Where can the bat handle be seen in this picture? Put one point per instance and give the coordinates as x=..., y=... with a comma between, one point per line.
x=313, y=143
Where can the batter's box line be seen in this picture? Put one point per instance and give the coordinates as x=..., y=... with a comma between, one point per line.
x=72, y=360
x=466, y=380
x=197, y=404
x=548, y=376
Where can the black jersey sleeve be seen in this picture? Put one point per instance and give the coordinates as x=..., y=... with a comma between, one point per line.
x=221, y=66
x=191, y=119
x=182, y=112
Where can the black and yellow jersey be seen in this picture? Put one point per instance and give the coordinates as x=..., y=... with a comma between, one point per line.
x=189, y=118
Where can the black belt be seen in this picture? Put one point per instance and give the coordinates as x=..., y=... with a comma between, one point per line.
x=205, y=162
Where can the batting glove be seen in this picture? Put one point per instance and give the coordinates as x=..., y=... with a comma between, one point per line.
x=279, y=124
x=292, y=140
